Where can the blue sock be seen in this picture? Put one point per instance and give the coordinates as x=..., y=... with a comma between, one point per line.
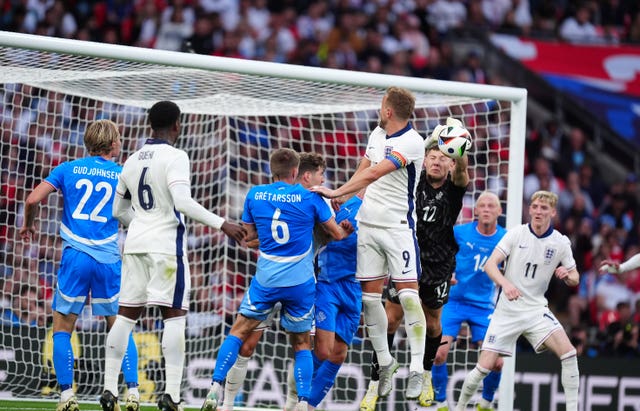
x=490, y=385
x=323, y=381
x=440, y=379
x=63, y=359
x=130, y=364
x=303, y=372
x=226, y=357
x=317, y=363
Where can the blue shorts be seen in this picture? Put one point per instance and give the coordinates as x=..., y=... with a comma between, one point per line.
x=296, y=314
x=338, y=307
x=80, y=274
x=454, y=313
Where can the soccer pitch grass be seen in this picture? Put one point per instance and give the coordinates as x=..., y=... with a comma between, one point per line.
x=37, y=405
x=26, y=405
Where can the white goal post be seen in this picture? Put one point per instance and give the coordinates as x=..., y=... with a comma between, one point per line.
x=234, y=113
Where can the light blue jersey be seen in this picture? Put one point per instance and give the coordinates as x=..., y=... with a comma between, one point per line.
x=88, y=186
x=337, y=260
x=284, y=216
x=338, y=293
x=474, y=286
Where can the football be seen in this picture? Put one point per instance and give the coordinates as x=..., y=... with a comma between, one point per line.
x=454, y=141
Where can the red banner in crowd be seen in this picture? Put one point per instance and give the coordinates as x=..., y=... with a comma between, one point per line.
x=610, y=67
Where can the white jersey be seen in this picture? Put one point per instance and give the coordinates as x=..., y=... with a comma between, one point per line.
x=531, y=263
x=146, y=177
x=390, y=201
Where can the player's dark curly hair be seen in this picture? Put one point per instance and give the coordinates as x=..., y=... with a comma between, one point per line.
x=311, y=162
x=163, y=115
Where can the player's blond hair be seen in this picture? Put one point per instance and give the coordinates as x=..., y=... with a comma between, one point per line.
x=401, y=101
x=100, y=136
x=282, y=161
x=547, y=196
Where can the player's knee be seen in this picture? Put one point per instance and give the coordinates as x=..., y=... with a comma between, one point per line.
x=441, y=355
x=498, y=365
x=247, y=348
x=323, y=353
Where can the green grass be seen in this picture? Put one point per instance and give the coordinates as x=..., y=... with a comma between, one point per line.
x=32, y=405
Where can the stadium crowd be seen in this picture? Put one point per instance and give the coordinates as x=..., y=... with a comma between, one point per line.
x=408, y=38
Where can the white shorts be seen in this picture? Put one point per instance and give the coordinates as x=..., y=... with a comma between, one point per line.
x=505, y=328
x=387, y=251
x=155, y=279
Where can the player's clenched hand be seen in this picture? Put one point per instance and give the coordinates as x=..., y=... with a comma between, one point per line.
x=27, y=232
x=562, y=273
x=346, y=226
x=609, y=266
x=510, y=291
x=234, y=231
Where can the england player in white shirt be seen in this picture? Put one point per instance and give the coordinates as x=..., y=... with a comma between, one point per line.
x=535, y=253
x=387, y=242
x=155, y=180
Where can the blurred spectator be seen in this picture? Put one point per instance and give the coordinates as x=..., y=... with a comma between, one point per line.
x=541, y=178
x=617, y=213
x=573, y=201
x=175, y=28
x=27, y=308
x=578, y=28
x=583, y=306
x=621, y=335
x=446, y=15
x=610, y=291
x=206, y=29
x=592, y=184
x=573, y=152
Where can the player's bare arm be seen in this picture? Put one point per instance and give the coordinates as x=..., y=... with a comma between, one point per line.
x=31, y=209
x=492, y=270
x=614, y=267
x=233, y=230
x=122, y=209
x=460, y=176
x=570, y=277
x=337, y=231
x=359, y=180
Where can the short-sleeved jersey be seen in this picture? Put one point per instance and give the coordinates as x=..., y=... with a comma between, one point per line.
x=284, y=216
x=390, y=200
x=88, y=186
x=437, y=210
x=474, y=285
x=146, y=178
x=531, y=262
x=337, y=260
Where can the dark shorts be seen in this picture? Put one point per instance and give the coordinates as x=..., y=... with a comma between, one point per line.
x=435, y=295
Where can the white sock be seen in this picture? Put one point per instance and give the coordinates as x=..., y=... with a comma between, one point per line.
x=66, y=394
x=416, y=326
x=235, y=381
x=570, y=377
x=173, y=347
x=116, y=346
x=134, y=391
x=376, y=321
x=470, y=386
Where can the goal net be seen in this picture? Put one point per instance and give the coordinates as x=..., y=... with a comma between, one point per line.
x=234, y=114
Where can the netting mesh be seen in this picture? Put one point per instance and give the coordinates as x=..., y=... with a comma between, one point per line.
x=231, y=122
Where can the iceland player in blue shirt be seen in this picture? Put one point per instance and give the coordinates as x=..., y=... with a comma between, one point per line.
x=91, y=257
x=338, y=304
x=282, y=216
